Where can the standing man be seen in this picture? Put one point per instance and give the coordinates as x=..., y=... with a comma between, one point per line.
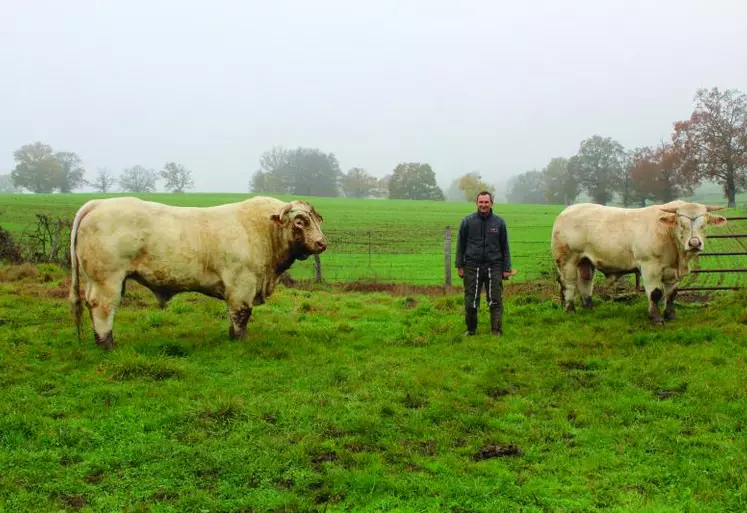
x=483, y=259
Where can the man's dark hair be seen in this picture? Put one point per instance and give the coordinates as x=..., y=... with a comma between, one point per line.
x=483, y=193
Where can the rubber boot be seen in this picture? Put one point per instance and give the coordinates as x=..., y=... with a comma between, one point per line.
x=496, y=321
x=470, y=317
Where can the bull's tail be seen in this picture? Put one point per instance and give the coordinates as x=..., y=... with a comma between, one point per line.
x=76, y=302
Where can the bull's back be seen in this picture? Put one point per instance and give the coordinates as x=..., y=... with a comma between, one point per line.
x=152, y=238
x=605, y=235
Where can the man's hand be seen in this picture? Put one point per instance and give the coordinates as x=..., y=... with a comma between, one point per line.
x=508, y=274
x=460, y=272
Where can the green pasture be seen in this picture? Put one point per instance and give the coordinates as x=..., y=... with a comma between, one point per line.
x=369, y=403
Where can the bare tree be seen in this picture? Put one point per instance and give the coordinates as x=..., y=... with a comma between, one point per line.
x=178, y=178
x=104, y=181
x=138, y=179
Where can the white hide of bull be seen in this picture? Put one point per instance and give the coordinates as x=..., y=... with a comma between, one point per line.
x=658, y=241
x=234, y=252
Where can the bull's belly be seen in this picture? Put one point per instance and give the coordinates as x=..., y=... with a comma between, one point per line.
x=170, y=283
x=610, y=264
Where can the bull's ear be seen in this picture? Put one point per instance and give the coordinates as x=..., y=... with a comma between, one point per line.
x=716, y=220
x=667, y=219
x=280, y=217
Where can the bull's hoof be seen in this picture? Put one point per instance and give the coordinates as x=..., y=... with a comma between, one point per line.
x=670, y=316
x=587, y=303
x=570, y=307
x=656, y=321
x=236, y=335
x=106, y=343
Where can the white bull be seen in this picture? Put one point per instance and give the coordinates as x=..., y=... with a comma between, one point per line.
x=234, y=252
x=658, y=241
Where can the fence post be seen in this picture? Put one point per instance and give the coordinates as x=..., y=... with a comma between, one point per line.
x=447, y=255
x=318, y=268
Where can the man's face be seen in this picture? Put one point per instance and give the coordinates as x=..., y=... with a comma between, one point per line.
x=484, y=204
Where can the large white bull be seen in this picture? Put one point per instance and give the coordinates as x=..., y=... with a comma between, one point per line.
x=234, y=252
x=658, y=241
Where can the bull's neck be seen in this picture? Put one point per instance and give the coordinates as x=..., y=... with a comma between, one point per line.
x=282, y=252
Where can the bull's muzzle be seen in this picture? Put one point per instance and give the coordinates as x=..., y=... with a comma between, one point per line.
x=694, y=244
x=320, y=245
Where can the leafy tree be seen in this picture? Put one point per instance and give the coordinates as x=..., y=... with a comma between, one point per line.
x=178, y=178
x=6, y=184
x=71, y=171
x=103, y=182
x=382, y=186
x=714, y=139
x=600, y=167
x=627, y=192
x=312, y=172
x=559, y=183
x=37, y=169
x=306, y=171
x=416, y=181
x=138, y=179
x=263, y=182
x=472, y=183
x=661, y=174
x=357, y=183
x=527, y=187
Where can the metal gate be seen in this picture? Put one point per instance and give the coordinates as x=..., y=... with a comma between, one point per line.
x=739, y=250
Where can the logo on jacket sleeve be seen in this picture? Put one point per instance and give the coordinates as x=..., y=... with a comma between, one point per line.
x=493, y=228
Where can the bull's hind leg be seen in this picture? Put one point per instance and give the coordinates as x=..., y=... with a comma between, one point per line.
x=586, y=281
x=102, y=299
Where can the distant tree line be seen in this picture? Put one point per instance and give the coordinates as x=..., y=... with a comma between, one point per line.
x=311, y=172
x=711, y=146
x=40, y=169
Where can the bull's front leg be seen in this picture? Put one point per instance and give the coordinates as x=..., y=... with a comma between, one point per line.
x=670, y=292
x=655, y=291
x=240, y=316
x=240, y=293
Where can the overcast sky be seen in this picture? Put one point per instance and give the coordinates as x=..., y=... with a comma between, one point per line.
x=499, y=87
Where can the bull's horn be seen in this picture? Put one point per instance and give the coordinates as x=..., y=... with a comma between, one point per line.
x=668, y=210
x=711, y=208
x=279, y=215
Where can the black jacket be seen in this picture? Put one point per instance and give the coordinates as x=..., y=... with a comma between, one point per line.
x=483, y=241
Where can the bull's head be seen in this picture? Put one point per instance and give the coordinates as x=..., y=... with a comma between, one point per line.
x=688, y=224
x=305, y=228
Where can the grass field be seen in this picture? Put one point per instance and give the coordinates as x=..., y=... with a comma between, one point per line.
x=388, y=240
x=369, y=402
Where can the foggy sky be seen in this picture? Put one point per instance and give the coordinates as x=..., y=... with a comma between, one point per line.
x=498, y=87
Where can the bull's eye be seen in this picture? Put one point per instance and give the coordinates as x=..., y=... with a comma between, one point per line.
x=301, y=222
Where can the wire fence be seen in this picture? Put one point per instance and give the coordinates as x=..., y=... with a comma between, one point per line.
x=428, y=258
x=422, y=257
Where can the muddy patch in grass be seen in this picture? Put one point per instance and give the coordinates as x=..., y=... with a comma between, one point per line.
x=496, y=451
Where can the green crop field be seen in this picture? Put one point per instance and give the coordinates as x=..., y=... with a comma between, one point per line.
x=393, y=241
x=369, y=402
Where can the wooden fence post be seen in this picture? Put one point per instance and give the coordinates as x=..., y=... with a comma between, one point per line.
x=318, y=268
x=447, y=255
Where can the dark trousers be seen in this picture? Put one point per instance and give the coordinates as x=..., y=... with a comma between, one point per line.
x=491, y=279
